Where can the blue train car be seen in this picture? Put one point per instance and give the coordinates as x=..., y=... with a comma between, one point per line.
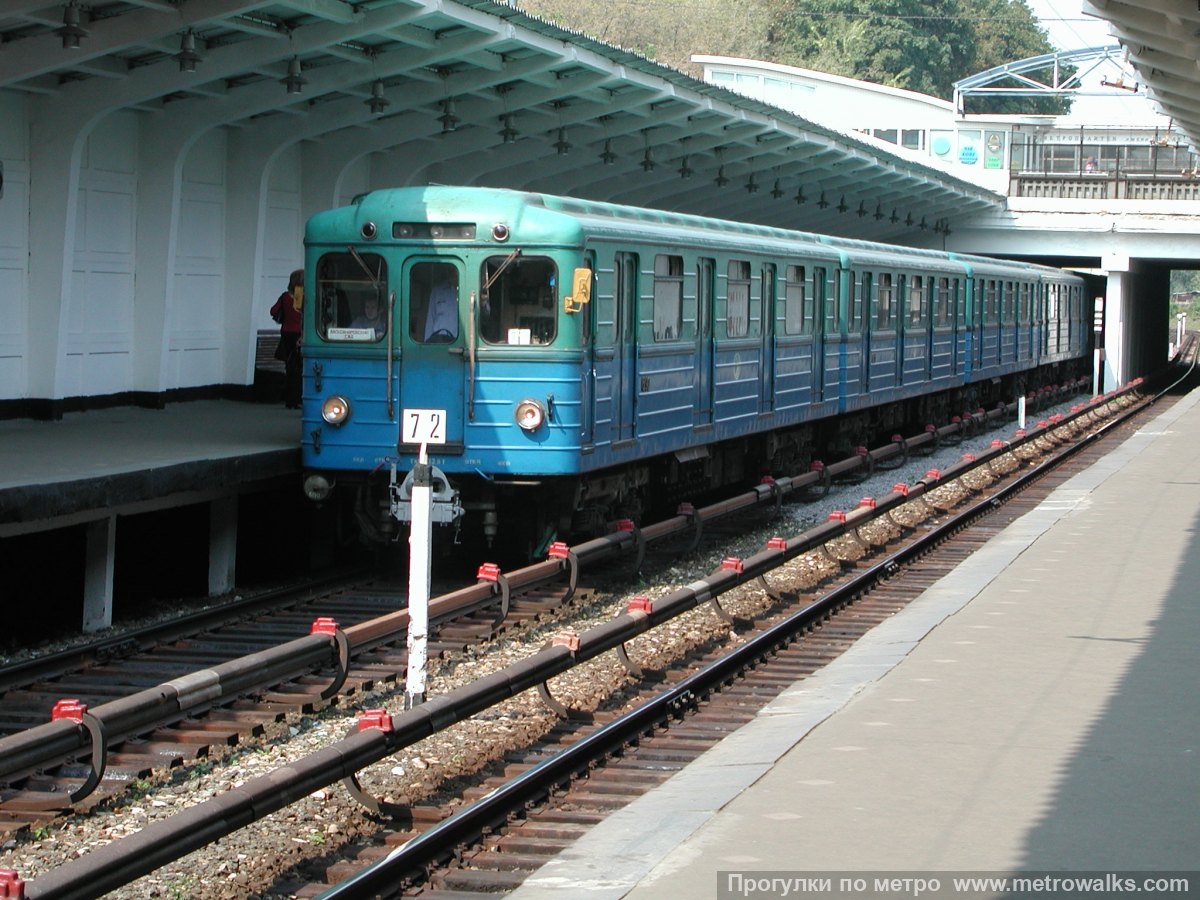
x=569, y=362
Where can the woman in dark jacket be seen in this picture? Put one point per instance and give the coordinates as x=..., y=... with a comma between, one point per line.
x=286, y=312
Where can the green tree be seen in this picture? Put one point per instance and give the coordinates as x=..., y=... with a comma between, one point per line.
x=667, y=31
x=920, y=45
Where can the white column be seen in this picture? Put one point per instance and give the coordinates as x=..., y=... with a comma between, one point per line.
x=222, y=545
x=98, y=574
x=1116, y=356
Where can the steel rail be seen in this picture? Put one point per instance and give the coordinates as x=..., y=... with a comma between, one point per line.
x=70, y=738
x=381, y=735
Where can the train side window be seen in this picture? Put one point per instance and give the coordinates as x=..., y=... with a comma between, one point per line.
x=797, y=313
x=350, y=297
x=1010, y=302
x=520, y=305
x=916, y=301
x=668, y=297
x=989, y=309
x=945, y=303
x=737, y=299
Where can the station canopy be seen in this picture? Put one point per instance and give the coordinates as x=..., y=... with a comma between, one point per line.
x=1162, y=41
x=473, y=92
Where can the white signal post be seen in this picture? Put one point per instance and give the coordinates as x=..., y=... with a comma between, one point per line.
x=424, y=427
x=1098, y=354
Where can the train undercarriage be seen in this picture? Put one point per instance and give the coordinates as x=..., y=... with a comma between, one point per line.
x=518, y=519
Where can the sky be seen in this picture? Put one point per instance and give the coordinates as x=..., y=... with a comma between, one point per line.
x=1068, y=27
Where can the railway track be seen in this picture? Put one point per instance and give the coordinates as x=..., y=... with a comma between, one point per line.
x=183, y=717
x=508, y=848
x=836, y=636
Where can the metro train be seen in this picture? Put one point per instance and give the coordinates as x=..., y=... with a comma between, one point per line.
x=568, y=362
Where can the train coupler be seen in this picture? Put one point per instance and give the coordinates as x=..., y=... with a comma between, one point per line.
x=446, y=508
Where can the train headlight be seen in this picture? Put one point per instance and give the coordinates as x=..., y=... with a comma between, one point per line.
x=530, y=415
x=335, y=410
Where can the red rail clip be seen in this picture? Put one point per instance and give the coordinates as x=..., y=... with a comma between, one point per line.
x=777, y=543
x=625, y=525
x=934, y=474
x=900, y=488
x=816, y=466
x=559, y=550
x=68, y=709
x=867, y=503
x=324, y=625
x=488, y=572
x=375, y=718
x=968, y=457
x=11, y=884
x=733, y=564
x=568, y=639
x=640, y=604
x=685, y=509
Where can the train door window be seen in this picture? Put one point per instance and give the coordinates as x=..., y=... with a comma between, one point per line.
x=945, y=309
x=433, y=302
x=668, y=297
x=830, y=300
x=1023, y=310
x=916, y=302
x=858, y=301
x=737, y=299
x=518, y=300
x=795, y=303
x=705, y=270
x=960, y=301
x=885, y=303
x=767, y=307
x=351, y=297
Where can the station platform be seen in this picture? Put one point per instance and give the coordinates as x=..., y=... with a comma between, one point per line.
x=1033, y=712
x=103, y=459
x=93, y=468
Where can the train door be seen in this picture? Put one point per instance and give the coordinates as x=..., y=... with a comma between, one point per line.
x=625, y=346
x=587, y=339
x=861, y=327
x=966, y=319
x=429, y=326
x=705, y=290
x=820, y=288
x=766, y=396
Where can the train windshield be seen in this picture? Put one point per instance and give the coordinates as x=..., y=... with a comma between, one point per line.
x=518, y=304
x=351, y=305
x=433, y=303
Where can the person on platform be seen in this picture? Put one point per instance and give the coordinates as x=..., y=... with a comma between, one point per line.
x=286, y=311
